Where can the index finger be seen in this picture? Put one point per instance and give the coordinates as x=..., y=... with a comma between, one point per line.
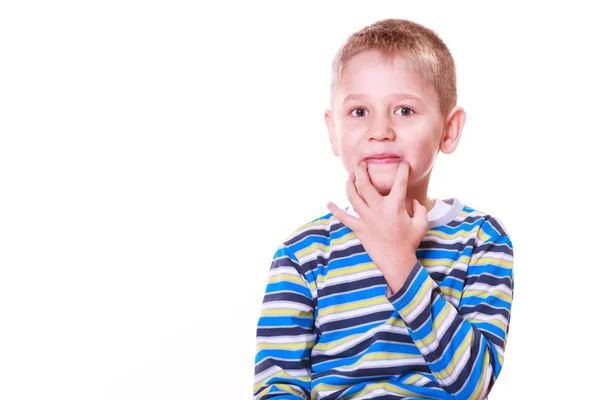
x=398, y=192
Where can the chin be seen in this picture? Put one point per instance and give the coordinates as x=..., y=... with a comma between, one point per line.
x=383, y=186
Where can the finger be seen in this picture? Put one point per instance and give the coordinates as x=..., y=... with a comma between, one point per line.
x=345, y=218
x=419, y=218
x=365, y=186
x=357, y=202
x=398, y=192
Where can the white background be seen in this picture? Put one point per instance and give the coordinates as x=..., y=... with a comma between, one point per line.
x=154, y=154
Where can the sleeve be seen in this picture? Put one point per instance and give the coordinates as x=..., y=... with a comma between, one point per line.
x=464, y=346
x=285, y=333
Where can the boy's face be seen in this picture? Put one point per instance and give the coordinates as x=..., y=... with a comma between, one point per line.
x=383, y=107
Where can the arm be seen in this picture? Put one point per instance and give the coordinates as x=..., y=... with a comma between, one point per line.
x=285, y=336
x=463, y=347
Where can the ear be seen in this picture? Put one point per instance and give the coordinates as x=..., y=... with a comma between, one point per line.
x=453, y=125
x=329, y=121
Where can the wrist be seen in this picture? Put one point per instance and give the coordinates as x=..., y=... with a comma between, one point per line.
x=399, y=272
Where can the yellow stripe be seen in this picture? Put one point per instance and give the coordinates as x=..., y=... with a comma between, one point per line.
x=286, y=278
x=389, y=387
x=482, y=235
x=447, y=262
x=321, y=387
x=479, y=387
x=283, y=386
x=504, y=263
x=347, y=271
x=412, y=379
x=343, y=239
x=322, y=247
x=311, y=248
x=378, y=356
x=324, y=222
x=484, y=295
x=353, y=306
x=285, y=312
x=436, y=325
x=457, y=355
x=331, y=345
x=284, y=346
x=418, y=298
x=448, y=291
x=462, y=234
x=396, y=322
x=495, y=322
x=386, y=356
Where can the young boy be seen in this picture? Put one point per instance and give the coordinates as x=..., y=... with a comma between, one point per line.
x=398, y=295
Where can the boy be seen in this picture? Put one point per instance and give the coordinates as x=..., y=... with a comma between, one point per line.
x=397, y=296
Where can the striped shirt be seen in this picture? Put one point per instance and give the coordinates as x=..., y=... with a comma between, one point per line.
x=329, y=329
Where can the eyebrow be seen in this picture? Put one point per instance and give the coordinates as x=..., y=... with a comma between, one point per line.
x=360, y=96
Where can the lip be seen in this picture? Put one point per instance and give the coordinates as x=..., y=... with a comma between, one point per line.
x=383, y=158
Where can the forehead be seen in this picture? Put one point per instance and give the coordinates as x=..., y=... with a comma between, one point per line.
x=370, y=73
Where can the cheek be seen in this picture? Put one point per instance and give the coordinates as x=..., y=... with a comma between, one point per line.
x=348, y=152
x=422, y=154
x=426, y=149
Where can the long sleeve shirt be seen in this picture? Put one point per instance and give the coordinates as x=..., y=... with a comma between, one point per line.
x=330, y=329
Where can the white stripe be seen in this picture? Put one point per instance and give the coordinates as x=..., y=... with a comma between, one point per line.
x=453, y=376
x=425, y=301
x=282, y=271
x=285, y=339
x=352, y=277
x=275, y=305
x=274, y=370
x=481, y=317
x=437, y=333
x=496, y=255
x=422, y=381
x=326, y=254
x=384, y=363
x=323, y=227
x=453, y=240
x=485, y=288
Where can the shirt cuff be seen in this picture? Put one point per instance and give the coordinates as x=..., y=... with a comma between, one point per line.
x=413, y=291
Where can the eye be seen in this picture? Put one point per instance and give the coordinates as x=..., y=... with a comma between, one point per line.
x=405, y=111
x=359, y=112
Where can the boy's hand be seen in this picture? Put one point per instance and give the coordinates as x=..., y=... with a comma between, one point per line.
x=386, y=230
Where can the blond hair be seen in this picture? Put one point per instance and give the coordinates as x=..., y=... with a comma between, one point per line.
x=422, y=47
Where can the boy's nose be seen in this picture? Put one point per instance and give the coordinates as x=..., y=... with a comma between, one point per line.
x=381, y=129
